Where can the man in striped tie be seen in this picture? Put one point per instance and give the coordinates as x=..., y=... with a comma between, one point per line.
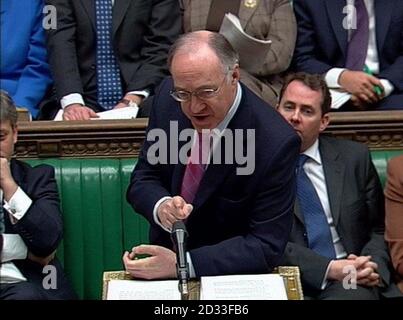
x=238, y=221
x=337, y=237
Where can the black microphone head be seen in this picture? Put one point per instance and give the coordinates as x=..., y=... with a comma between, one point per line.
x=179, y=225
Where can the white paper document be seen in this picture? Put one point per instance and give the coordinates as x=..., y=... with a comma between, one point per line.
x=143, y=290
x=243, y=287
x=252, y=51
x=339, y=98
x=114, y=114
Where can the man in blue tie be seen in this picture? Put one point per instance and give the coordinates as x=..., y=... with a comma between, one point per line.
x=337, y=236
x=108, y=54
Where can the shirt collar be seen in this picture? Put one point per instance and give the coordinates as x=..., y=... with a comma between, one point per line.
x=231, y=112
x=313, y=152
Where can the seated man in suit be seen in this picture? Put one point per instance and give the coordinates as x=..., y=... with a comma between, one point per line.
x=238, y=221
x=338, y=229
x=357, y=45
x=394, y=215
x=108, y=54
x=33, y=222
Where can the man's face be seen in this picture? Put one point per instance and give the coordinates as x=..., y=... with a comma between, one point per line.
x=8, y=139
x=301, y=107
x=196, y=72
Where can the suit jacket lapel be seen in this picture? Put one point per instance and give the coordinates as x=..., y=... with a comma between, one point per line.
x=89, y=7
x=18, y=174
x=245, y=13
x=119, y=11
x=336, y=17
x=216, y=173
x=179, y=169
x=333, y=169
x=383, y=14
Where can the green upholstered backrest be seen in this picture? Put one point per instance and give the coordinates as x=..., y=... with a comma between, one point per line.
x=99, y=224
x=380, y=159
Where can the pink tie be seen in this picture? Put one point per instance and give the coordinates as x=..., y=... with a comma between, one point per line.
x=194, y=169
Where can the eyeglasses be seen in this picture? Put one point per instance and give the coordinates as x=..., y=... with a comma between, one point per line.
x=204, y=94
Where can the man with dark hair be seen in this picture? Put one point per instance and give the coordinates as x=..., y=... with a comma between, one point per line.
x=33, y=223
x=337, y=235
x=238, y=221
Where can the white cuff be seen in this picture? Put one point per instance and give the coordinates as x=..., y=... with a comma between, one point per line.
x=324, y=281
x=192, y=273
x=144, y=93
x=332, y=77
x=18, y=205
x=14, y=248
x=155, y=212
x=70, y=99
x=388, y=86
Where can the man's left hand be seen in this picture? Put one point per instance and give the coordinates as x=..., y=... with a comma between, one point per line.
x=160, y=265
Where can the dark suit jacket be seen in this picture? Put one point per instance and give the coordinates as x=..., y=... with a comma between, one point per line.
x=322, y=41
x=143, y=31
x=41, y=227
x=240, y=223
x=357, y=206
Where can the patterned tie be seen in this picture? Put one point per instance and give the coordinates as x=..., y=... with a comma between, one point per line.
x=195, y=168
x=358, y=45
x=318, y=229
x=108, y=76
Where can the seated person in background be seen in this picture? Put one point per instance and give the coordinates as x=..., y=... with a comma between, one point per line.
x=394, y=215
x=33, y=222
x=107, y=54
x=338, y=230
x=357, y=45
x=238, y=221
x=266, y=20
x=24, y=69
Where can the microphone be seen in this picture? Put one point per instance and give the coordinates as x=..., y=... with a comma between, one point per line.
x=179, y=236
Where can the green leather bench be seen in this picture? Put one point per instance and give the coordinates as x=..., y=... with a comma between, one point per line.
x=99, y=225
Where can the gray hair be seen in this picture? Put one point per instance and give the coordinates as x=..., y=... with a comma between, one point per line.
x=8, y=111
x=215, y=41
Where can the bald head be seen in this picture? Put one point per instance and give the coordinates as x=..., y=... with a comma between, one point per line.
x=204, y=45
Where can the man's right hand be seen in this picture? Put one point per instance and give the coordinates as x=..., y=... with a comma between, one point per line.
x=172, y=210
x=361, y=85
x=77, y=111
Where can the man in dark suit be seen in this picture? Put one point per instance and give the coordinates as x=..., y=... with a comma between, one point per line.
x=137, y=34
x=33, y=223
x=238, y=221
x=346, y=243
x=343, y=38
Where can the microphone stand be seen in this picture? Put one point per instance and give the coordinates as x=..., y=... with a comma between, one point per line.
x=179, y=235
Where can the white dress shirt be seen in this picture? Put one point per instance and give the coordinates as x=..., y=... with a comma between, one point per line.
x=14, y=247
